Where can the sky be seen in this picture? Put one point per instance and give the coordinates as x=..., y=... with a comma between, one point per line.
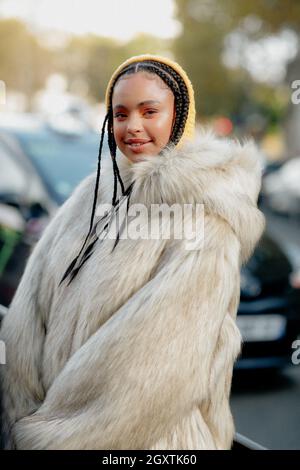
x=120, y=19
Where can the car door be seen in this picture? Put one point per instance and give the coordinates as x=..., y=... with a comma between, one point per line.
x=14, y=249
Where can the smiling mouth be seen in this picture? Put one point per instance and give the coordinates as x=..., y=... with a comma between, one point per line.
x=137, y=146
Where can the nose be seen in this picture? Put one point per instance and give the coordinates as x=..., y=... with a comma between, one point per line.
x=134, y=124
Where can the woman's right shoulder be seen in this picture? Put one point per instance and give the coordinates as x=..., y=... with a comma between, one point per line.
x=83, y=192
x=71, y=213
x=83, y=195
x=71, y=221
x=79, y=201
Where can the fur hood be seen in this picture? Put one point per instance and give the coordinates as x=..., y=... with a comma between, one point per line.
x=138, y=351
x=224, y=175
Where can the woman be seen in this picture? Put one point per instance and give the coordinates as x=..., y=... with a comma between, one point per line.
x=128, y=342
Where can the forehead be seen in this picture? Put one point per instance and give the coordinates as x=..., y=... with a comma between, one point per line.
x=140, y=86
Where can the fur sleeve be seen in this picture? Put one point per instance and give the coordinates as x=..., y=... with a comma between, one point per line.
x=23, y=328
x=149, y=365
x=23, y=334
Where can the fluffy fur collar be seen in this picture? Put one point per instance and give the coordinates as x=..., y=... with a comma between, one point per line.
x=223, y=174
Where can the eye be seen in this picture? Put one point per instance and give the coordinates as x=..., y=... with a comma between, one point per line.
x=120, y=115
x=149, y=112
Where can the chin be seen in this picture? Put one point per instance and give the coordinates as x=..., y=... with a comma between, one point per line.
x=137, y=158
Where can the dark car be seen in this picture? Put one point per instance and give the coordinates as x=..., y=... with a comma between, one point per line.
x=269, y=309
x=42, y=166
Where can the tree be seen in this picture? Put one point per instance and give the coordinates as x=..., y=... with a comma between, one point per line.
x=93, y=58
x=24, y=63
x=147, y=44
x=275, y=16
x=200, y=48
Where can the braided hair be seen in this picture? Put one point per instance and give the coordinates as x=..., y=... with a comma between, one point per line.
x=176, y=84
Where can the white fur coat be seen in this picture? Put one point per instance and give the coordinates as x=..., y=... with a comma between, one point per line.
x=138, y=351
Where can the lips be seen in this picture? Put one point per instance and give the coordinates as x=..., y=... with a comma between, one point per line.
x=137, y=145
x=137, y=141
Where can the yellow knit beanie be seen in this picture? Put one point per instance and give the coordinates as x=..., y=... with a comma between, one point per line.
x=189, y=128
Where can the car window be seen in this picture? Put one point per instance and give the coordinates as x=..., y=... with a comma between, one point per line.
x=62, y=161
x=12, y=176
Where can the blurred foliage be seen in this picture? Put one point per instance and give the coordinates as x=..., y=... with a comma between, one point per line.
x=88, y=61
x=93, y=58
x=147, y=44
x=275, y=14
x=24, y=63
x=199, y=48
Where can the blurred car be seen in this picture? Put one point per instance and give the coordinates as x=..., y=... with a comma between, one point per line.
x=42, y=161
x=269, y=309
x=281, y=187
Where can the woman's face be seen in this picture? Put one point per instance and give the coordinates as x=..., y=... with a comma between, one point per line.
x=143, y=115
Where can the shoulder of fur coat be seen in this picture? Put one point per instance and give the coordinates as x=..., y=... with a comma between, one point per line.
x=223, y=174
x=138, y=351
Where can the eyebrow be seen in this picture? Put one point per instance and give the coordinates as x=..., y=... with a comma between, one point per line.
x=142, y=103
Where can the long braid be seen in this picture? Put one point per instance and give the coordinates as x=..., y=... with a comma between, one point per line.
x=113, y=150
x=177, y=85
x=71, y=266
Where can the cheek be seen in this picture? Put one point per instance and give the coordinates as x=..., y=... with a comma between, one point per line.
x=162, y=126
x=118, y=132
